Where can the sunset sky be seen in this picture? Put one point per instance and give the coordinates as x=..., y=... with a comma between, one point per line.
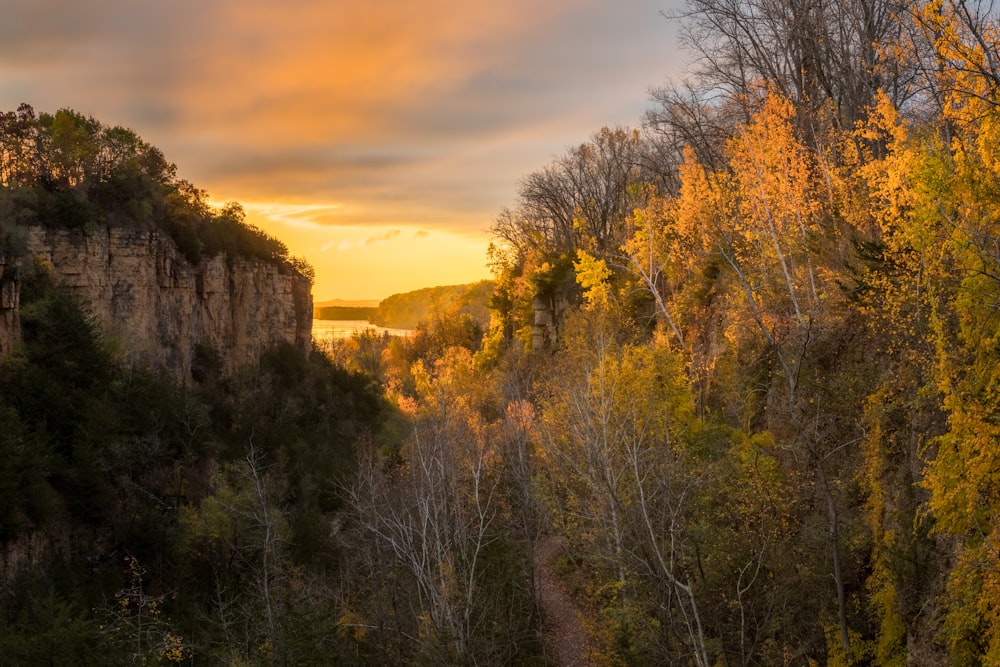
x=377, y=138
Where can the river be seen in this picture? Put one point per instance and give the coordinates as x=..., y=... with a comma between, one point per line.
x=325, y=330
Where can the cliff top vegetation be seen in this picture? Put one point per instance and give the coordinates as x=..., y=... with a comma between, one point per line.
x=69, y=170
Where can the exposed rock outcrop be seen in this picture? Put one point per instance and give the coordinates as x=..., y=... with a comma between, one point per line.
x=145, y=293
x=10, y=292
x=549, y=313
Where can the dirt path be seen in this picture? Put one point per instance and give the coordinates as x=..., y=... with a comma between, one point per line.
x=566, y=640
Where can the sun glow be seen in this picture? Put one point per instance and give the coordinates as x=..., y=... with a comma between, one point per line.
x=299, y=215
x=355, y=261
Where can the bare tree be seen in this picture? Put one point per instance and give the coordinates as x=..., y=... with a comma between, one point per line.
x=610, y=423
x=581, y=199
x=437, y=515
x=687, y=115
x=264, y=517
x=821, y=54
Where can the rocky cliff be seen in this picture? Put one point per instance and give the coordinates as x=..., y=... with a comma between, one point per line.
x=145, y=293
x=10, y=291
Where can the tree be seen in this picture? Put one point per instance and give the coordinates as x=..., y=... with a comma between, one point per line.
x=19, y=143
x=73, y=147
x=434, y=520
x=813, y=53
x=758, y=241
x=949, y=233
x=581, y=200
x=955, y=46
x=134, y=625
x=612, y=423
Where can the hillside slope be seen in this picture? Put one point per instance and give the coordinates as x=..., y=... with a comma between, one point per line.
x=407, y=310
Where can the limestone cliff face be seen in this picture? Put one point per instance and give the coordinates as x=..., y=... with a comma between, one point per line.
x=549, y=312
x=145, y=293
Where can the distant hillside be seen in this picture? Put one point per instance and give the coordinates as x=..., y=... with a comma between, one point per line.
x=405, y=311
x=342, y=313
x=342, y=309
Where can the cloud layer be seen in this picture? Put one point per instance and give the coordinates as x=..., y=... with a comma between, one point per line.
x=395, y=113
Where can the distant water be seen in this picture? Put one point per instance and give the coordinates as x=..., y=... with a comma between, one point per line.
x=324, y=330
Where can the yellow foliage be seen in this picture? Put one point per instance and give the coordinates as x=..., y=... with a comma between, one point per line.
x=592, y=274
x=352, y=625
x=173, y=649
x=774, y=171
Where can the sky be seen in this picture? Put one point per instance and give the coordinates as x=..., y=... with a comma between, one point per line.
x=379, y=139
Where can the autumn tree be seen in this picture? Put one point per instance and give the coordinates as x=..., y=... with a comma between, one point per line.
x=610, y=423
x=580, y=200
x=685, y=521
x=948, y=201
x=743, y=266
x=19, y=147
x=434, y=516
x=812, y=53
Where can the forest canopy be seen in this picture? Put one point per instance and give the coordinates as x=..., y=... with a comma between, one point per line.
x=738, y=396
x=805, y=231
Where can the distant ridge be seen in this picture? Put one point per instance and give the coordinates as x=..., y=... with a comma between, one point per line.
x=343, y=309
x=345, y=303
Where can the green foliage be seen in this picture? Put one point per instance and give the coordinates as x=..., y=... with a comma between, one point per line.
x=58, y=393
x=105, y=458
x=26, y=498
x=12, y=243
x=48, y=626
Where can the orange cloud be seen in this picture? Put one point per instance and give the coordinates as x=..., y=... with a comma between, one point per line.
x=342, y=68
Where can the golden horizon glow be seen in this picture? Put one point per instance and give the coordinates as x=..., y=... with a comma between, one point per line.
x=356, y=262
